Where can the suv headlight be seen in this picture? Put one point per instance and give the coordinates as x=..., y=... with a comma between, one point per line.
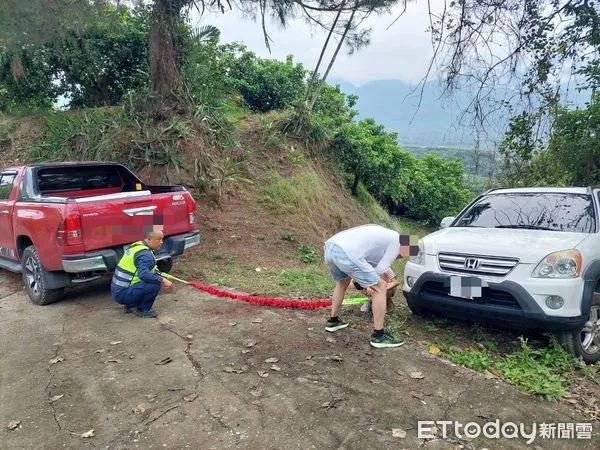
x=419, y=258
x=563, y=264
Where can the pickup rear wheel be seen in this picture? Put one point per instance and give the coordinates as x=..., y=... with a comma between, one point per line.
x=33, y=278
x=585, y=343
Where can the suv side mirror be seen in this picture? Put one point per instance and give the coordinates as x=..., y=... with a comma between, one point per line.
x=446, y=221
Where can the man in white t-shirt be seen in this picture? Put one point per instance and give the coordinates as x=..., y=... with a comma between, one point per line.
x=363, y=254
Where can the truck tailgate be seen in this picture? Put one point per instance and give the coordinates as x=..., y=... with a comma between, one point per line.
x=118, y=219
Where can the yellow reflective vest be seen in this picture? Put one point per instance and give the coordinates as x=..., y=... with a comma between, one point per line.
x=126, y=272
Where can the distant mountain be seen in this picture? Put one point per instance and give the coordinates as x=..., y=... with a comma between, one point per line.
x=435, y=123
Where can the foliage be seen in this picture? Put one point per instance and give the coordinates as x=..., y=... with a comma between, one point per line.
x=229, y=173
x=574, y=147
x=473, y=359
x=302, y=123
x=307, y=254
x=436, y=189
x=28, y=93
x=99, y=65
x=529, y=369
x=206, y=67
x=266, y=84
x=112, y=134
x=571, y=156
x=335, y=107
x=93, y=65
x=425, y=189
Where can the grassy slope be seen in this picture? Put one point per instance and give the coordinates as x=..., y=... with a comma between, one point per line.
x=267, y=237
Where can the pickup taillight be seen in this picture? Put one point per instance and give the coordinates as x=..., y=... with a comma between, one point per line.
x=191, y=206
x=69, y=231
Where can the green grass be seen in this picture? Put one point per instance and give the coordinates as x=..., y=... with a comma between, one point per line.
x=543, y=371
x=300, y=194
x=540, y=372
x=311, y=281
x=373, y=210
x=473, y=359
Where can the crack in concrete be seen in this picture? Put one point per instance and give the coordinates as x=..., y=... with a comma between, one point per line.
x=7, y=297
x=451, y=437
x=188, y=344
x=51, y=376
x=196, y=365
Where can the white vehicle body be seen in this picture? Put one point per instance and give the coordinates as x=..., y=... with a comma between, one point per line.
x=526, y=258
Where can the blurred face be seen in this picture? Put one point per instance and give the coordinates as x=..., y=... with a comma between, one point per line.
x=155, y=240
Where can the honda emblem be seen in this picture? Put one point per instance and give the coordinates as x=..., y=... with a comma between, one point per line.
x=472, y=263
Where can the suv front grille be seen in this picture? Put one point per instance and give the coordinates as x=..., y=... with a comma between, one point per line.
x=477, y=265
x=489, y=296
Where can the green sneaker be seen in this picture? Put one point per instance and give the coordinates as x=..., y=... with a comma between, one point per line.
x=334, y=325
x=385, y=340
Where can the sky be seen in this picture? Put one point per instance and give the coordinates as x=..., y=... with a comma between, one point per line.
x=401, y=52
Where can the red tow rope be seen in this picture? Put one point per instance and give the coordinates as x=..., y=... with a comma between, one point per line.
x=281, y=303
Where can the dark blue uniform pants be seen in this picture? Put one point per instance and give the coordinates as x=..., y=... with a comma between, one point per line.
x=142, y=295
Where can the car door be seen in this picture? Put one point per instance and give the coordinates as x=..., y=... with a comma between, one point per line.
x=7, y=241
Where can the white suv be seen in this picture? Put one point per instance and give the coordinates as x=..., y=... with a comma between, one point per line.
x=526, y=258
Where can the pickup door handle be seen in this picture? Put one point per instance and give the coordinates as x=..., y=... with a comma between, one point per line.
x=4, y=212
x=143, y=211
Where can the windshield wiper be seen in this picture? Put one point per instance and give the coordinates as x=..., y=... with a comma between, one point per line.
x=527, y=227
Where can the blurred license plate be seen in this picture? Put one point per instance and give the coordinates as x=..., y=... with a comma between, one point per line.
x=465, y=287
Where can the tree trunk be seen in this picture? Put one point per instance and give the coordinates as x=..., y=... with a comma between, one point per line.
x=164, y=73
x=355, y=183
x=322, y=82
x=316, y=71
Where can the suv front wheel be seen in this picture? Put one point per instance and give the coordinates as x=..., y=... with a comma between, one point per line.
x=585, y=343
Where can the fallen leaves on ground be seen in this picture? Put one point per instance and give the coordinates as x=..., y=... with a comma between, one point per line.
x=190, y=398
x=56, y=397
x=435, y=350
x=398, y=433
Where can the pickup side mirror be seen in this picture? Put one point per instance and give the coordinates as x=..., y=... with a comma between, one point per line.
x=446, y=221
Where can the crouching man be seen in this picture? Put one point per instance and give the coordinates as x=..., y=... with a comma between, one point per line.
x=135, y=283
x=363, y=254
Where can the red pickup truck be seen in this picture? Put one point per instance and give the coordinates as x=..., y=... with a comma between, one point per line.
x=67, y=223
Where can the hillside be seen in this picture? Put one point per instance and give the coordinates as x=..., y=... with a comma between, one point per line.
x=267, y=236
x=278, y=205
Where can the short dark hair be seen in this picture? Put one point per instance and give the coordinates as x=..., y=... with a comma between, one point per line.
x=150, y=233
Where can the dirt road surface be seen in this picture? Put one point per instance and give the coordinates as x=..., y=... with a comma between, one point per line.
x=210, y=373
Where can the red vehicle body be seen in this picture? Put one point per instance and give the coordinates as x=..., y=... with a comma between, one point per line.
x=68, y=223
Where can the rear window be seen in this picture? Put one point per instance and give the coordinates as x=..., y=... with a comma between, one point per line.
x=543, y=211
x=81, y=178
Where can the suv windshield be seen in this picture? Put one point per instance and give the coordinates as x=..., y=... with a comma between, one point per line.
x=535, y=211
